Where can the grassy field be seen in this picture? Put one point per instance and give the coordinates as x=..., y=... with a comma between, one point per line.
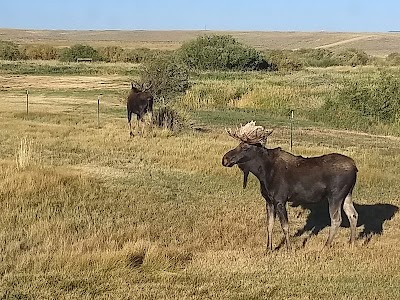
x=90, y=213
x=377, y=44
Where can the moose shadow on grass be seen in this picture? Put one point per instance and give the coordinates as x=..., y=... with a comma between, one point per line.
x=370, y=216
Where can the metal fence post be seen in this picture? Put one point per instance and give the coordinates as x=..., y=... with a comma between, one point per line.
x=291, y=129
x=27, y=101
x=98, y=111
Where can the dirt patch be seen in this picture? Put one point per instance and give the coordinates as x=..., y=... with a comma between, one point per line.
x=24, y=82
x=344, y=42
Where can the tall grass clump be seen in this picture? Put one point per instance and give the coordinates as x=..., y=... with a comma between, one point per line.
x=211, y=94
x=170, y=118
x=27, y=154
x=40, y=52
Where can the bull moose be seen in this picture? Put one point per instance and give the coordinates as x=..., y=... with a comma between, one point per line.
x=285, y=177
x=139, y=102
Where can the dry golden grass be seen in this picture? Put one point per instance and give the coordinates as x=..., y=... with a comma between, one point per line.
x=377, y=44
x=102, y=215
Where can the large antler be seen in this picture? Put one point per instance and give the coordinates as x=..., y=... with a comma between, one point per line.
x=144, y=87
x=250, y=133
x=147, y=86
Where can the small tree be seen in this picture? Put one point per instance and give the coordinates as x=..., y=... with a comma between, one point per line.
x=167, y=76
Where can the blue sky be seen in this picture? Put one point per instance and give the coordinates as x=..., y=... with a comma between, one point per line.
x=277, y=15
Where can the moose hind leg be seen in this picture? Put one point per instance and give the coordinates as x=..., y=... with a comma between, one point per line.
x=336, y=220
x=352, y=215
x=139, y=124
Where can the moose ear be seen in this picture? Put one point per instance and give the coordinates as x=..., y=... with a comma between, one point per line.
x=136, y=87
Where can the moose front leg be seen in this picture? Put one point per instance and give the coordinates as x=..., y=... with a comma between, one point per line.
x=283, y=218
x=270, y=222
x=129, y=123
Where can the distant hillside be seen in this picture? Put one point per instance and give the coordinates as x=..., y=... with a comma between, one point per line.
x=379, y=44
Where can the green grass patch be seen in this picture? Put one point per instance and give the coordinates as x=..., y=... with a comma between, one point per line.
x=58, y=68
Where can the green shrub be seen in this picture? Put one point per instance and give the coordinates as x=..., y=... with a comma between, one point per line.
x=360, y=105
x=79, y=51
x=168, y=77
x=9, y=51
x=340, y=115
x=284, y=60
x=221, y=52
x=378, y=100
x=294, y=60
x=317, y=57
x=352, y=57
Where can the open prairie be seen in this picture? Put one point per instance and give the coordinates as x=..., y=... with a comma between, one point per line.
x=377, y=44
x=90, y=213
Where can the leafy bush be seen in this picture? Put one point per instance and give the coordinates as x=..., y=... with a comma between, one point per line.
x=221, y=52
x=9, y=51
x=79, y=51
x=167, y=76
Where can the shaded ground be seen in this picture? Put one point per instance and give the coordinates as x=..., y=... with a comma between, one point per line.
x=371, y=218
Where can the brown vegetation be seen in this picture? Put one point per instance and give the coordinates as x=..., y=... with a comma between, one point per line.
x=93, y=214
x=379, y=44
